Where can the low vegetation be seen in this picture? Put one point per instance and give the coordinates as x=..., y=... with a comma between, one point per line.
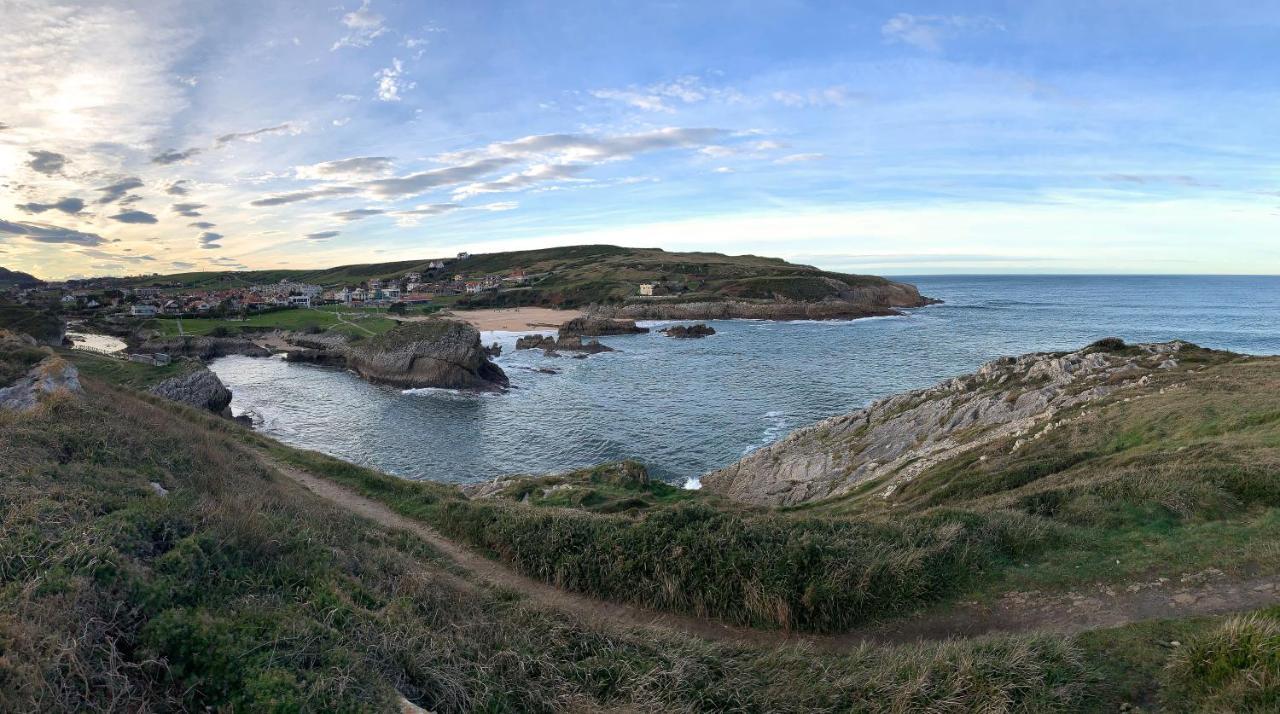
x=334, y=318
x=149, y=560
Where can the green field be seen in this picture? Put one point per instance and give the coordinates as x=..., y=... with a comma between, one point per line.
x=336, y=318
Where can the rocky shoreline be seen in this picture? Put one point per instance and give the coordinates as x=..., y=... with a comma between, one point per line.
x=902, y=435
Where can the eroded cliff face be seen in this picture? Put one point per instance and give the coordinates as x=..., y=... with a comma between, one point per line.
x=51, y=376
x=901, y=436
x=202, y=347
x=433, y=353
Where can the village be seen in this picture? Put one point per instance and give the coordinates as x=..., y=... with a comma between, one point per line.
x=436, y=282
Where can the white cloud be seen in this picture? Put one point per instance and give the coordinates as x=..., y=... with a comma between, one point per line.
x=391, y=82
x=837, y=96
x=363, y=27
x=353, y=168
x=663, y=96
x=799, y=158
x=927, y=32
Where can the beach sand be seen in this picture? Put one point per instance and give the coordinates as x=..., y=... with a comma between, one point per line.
x=516, y=319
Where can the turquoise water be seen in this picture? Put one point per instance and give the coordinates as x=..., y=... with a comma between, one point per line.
x=685, y=407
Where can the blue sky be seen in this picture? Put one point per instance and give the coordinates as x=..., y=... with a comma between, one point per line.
x=880, y=137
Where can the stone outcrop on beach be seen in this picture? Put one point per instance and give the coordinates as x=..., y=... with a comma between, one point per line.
x=202, y=347
x=199, y=388
x=431, y=353
x=901, y=436
x=686, y=332
x=597, y=326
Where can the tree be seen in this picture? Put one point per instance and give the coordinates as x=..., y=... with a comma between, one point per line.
x=397, y=308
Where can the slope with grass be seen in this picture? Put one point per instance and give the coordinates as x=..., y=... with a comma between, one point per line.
x=238, y=590
x=150, y=559
x=577, y=276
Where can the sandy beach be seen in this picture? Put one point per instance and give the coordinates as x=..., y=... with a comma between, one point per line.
x=516, y=319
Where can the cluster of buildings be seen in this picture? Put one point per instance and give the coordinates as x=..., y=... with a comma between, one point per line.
x=160, y=299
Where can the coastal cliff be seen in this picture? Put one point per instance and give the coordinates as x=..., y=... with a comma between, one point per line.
x=830, y=299
x=901, y=436
x=202, y=347
x=432, y=353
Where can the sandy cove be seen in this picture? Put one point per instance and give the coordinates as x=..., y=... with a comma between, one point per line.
x=517, y=319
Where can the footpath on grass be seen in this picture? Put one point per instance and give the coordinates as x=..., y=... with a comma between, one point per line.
x=1101, y=606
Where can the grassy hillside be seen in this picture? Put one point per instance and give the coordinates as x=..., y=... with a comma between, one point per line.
x=574, y=276
x=234, y=589
x=17, y=279
x=238, y=590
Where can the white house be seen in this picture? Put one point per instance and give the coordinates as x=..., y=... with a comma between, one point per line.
x=464, y=255
x=646, y=289
x=68, y=299
x=300, y=300
x=144, y=311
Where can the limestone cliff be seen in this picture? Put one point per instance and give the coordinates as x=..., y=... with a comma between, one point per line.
x=903, y=435
x=51, y=376
x=432, y=353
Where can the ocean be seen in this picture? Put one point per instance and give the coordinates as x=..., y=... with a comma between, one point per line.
x=685, y=407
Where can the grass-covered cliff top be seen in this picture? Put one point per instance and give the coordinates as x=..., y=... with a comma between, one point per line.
x=407, y=333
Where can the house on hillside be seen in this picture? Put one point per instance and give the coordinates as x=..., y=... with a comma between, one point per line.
x=144, y=311
x=300, y=301
x=646, y=289
x=464, y=255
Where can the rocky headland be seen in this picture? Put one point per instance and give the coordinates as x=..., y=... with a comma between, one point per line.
x=901, y=436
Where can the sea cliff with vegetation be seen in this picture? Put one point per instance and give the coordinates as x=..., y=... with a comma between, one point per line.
x=1077, y=531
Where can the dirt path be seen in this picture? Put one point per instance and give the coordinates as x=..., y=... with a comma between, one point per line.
x=1207, y=593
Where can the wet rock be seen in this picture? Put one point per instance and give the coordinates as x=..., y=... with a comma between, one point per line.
x=689, y=331
x=592, y=326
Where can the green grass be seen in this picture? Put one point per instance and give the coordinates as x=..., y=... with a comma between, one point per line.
x=325, y=318
x=238, y=591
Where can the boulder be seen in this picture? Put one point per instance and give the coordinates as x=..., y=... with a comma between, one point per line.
x=430, y=353
x=689, y=331
x=199, y=388
x=50, y=376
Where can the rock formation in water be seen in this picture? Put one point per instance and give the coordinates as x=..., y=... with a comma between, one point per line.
x=199, y=388
x=431, y=353
x=551, y=346
x=687, y=332
x=596, y=326
x=901, y=436
x=202, y=347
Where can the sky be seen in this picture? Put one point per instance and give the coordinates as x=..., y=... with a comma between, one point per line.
x=1031, y=136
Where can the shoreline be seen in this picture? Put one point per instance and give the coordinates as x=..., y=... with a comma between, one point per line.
x=513, y=319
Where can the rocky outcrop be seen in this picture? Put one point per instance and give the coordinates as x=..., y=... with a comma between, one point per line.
x=325, y=357
x=598, y=326
x=50, y=376
x=551, y=345
x=199, y=388
x=741, y=309
x=431, y=353
x=202, y=347
x=903, y=435
x=686, y=332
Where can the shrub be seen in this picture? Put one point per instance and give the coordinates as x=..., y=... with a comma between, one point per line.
x=1233, y=668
